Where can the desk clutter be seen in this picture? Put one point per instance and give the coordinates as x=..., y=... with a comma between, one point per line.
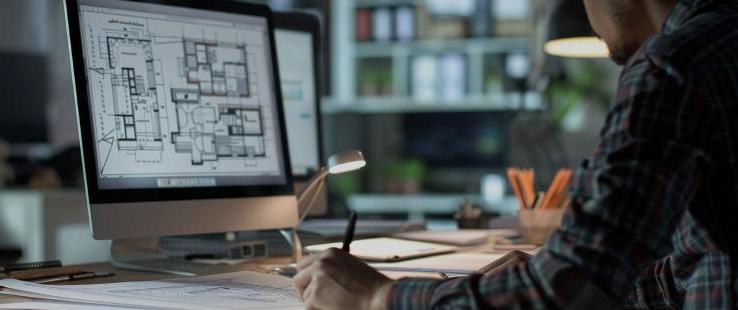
x=540, y=213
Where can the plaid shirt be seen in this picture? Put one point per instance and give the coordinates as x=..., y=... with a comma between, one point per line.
x=649, y=224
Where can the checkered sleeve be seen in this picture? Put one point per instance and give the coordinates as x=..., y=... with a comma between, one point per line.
x=627, y=202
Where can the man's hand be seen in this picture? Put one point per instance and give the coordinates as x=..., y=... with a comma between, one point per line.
x=334, y=279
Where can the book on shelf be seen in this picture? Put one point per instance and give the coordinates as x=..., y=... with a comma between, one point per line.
x=382, y=24
x=481, y=20
x=363, y=25
x=511, y=18
x=404, y=23
x=424, y=78
x=439, y=28
x=453, y=77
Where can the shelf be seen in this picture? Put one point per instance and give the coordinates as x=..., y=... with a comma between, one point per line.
x=424, y=203
x=473, y=45
x=377, y=3
x=409, y=105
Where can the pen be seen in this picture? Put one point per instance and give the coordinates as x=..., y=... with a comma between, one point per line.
x=31, y=266
x=349, y=236
x=74, y=277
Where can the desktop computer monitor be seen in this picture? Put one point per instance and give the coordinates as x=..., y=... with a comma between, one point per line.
x=180, y=117
x=298, y=50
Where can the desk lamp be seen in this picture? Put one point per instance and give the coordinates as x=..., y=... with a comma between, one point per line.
x=337, y=164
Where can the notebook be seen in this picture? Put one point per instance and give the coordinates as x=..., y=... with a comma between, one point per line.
x=387, y=249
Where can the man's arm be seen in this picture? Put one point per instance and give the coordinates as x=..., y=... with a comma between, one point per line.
x=627, y=202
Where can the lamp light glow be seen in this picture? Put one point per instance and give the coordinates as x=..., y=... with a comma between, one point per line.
x=347, y=167
x=346, y=162
x=577, y=47
x=570, y=34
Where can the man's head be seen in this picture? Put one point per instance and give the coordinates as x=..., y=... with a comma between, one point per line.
x=625, y=24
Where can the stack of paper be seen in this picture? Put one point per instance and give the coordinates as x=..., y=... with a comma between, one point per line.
x=237, y=290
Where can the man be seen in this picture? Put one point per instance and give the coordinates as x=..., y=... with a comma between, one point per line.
x=650, y=222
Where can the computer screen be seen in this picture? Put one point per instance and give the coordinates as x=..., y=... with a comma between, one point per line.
x=180, y=97
x=180, y=117
x=460, y=139
x=24, y=95
x=296, y=70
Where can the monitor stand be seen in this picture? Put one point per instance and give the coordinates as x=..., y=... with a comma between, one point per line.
x=143, y=255
x=293, y=239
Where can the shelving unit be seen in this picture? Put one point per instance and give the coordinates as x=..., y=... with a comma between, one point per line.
x=348, y=53
x=389, y=105
x=472, y=46
x=379, y=124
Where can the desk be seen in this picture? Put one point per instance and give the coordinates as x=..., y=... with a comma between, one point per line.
x=126, y=275
x=263, y=265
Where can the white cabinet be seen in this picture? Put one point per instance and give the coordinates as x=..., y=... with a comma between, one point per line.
x=49, y=225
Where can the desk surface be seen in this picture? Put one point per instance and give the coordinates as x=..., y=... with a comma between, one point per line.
x=263, y=265
x=127, y=275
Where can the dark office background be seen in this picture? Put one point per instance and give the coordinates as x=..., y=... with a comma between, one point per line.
x=506, y=106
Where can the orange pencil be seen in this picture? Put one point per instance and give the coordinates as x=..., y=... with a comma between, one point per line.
x=529, y=178
x=512, y=177
x=559, y=194
x=550, y=191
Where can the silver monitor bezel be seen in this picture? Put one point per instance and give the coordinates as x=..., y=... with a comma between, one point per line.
x=133, y=213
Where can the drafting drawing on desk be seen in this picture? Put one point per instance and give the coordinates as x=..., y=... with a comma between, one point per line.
x=237, y=290
x=171, y=95
x=230, y=289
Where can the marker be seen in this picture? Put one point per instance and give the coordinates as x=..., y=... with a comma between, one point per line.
x=75, y=277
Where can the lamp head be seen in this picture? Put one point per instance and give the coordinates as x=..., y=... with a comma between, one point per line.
x=570, y=34
x=346, y=162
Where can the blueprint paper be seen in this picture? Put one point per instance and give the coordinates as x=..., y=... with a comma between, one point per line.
x=237, y=290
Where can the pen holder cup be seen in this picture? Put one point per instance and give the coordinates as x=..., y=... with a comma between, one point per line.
x=469, y=223
x=537, y=225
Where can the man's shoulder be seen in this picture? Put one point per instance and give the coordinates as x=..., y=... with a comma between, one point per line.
x=705, y=42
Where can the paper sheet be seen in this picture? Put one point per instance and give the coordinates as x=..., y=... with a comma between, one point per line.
x=396, y=275
x=55, y=305
x=451, y=264
x=462, y=237
x=386, y=249
x=237, y=290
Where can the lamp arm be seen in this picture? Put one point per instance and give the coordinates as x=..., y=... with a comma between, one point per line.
x=311, y=183
x=307, y=207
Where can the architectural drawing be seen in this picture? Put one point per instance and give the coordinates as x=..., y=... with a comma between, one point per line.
x=178, y=98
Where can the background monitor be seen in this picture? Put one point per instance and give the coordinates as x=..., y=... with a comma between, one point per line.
x=298, y=42
x=180, y=123
x=24, y=93
x=461, y=139
x=298, y=50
